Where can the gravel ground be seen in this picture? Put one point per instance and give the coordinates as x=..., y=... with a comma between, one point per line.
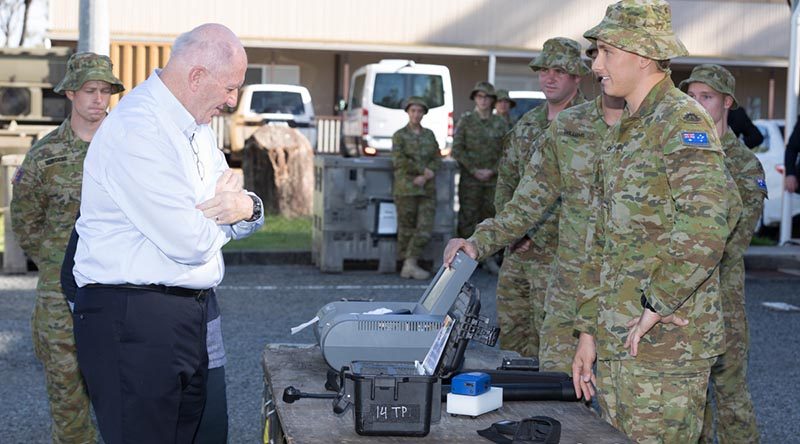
x=260, y=303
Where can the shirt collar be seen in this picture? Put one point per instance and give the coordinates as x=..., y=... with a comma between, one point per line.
x=652, y=99
x=175, y=110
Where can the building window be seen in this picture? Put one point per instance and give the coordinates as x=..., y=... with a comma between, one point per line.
x=285, y=74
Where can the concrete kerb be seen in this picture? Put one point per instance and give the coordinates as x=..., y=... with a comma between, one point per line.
x=772, y=258
x=755, y=258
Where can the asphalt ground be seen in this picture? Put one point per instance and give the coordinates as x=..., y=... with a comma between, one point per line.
x=261, y=303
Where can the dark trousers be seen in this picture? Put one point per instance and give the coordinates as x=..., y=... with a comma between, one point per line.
x=214, y=424
x=143, y=356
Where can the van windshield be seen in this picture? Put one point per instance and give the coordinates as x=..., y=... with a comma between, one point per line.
x=284, y=102
x=391, y=89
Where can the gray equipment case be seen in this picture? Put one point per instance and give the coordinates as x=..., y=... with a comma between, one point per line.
x=345, y=334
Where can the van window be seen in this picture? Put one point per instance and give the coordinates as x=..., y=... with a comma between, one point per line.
x=356, y=92
x=277, y=102
x=523, y=106
x=392, y=89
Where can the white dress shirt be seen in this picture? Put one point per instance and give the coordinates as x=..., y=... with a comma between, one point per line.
x=141, y=184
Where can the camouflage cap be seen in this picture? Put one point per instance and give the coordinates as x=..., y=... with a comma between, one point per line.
x=560, y=52
x=484, y=87
x=502, y=94
x=714, y=76
x=85, y=66
x=415, y=100
x=643, y=27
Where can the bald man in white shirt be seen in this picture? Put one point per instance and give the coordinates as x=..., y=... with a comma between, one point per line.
x=159, y=202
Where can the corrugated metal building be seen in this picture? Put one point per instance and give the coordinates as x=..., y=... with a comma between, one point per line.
x=318, y=43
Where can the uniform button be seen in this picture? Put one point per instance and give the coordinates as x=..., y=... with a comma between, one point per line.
x=81, y=316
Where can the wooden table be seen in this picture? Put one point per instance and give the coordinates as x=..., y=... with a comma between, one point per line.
x=313, y=421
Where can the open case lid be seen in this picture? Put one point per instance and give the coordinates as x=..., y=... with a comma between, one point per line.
x=462, y=323
x=446, y=285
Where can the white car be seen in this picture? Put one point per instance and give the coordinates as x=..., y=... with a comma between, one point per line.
x=526, y=101
x=272, y=103
x=770, y=153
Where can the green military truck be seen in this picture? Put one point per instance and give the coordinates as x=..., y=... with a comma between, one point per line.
x=28, y=105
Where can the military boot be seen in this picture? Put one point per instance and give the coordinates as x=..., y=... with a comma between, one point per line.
x=412, y=271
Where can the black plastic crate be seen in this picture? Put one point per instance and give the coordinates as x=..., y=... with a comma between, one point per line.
x=391, y=399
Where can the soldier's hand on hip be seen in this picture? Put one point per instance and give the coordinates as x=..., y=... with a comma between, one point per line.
x=583, y=379
x=419, y=181
x=641, y=325
x=229, y=181
x=790, y=183
x=456, y=244
x=428, y=174
x=521, y=245
x=228, y=207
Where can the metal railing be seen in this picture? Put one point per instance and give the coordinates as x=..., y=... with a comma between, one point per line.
x=329, y=132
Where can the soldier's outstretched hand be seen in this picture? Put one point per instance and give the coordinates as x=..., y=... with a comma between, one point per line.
x=641, y=325
x=583, y=379
x=456, y=244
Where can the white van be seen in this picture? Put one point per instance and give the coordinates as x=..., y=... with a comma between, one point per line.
x=374, y=109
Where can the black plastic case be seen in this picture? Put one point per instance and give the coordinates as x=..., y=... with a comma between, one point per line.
x=391, y=399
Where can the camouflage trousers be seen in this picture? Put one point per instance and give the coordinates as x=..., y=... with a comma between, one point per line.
x=521, y=286
x=476, y=203
x=557, y=343
x=654, y=402
x=54, y=345
x=735, y=418
x=415, y=216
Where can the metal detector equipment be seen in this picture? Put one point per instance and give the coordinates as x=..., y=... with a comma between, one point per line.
x=403, y=332
x=401, y=398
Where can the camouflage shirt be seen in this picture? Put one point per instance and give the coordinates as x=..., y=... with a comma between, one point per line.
x=666, y=205
x=411, y=154
x=561, y=168
x=518, y=148
x=747, y=172
x=477, y=143
x=47, y=196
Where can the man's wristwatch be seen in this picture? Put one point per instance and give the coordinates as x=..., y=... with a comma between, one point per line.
x=257, y=209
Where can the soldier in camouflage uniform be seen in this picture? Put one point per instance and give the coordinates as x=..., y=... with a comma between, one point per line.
x=503, y=105
x=477, y=148
x=415, y=156
x=522, y=281
x=665, y=207
x=713, y=86
x=46, y=199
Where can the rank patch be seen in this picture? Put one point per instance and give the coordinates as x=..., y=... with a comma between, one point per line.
x=761, y=183
x=691, y=117
x=695, y=138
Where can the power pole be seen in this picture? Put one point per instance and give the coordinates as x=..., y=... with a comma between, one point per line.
x=93, y=27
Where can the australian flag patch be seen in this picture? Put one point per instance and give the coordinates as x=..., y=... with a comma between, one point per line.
x=695, y=138
x=18, y=175
x=761, y=183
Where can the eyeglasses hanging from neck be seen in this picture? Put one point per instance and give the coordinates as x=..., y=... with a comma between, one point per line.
x=201, y=171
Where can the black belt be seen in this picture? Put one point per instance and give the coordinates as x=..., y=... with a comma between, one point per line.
x=174, y=291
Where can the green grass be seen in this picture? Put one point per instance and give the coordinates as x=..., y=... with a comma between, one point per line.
x=763, y=241
x=278, y=234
